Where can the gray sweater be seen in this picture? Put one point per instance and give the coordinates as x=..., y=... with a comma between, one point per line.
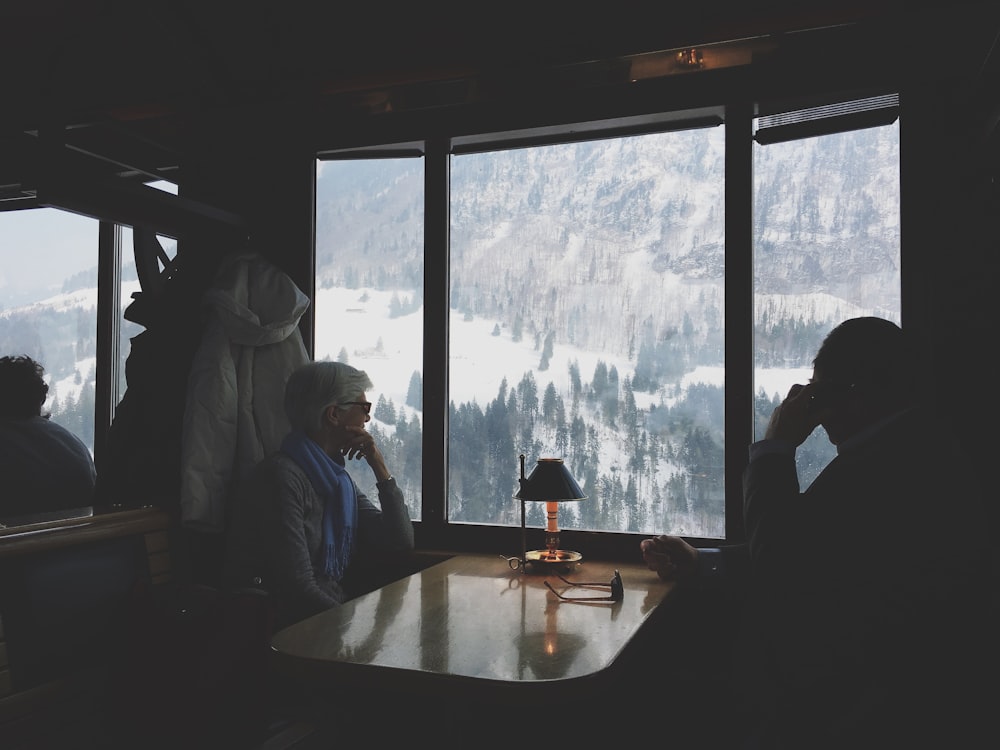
x=275, y=533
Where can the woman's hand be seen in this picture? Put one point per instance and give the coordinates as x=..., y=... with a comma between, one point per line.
x=360, y=444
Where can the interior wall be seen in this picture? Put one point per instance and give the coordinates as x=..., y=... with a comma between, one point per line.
x=954, y=229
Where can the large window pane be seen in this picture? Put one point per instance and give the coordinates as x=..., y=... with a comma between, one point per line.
x=587, y=301
x=48, y=306
x=826, y=228
x=369, y=300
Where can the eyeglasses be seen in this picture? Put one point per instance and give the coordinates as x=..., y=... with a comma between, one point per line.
x=366, y=405
x=616, y=587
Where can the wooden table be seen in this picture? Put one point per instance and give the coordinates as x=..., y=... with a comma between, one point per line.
x=471, y=628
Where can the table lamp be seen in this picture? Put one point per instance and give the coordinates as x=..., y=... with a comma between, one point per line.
x=549, y=482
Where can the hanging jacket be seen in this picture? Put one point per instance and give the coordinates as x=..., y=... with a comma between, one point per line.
x=234, y=410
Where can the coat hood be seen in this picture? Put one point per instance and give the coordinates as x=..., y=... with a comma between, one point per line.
x=256, y=303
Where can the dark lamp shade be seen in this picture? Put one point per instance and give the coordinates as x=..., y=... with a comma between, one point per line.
x=550, y=481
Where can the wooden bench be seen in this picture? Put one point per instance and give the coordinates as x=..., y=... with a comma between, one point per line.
x=92, y=643
x=63, y=586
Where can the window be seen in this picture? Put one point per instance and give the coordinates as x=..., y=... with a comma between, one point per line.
x=590, y=306
x=48, y=307
x=587, y=299
x=827, y=248
x=369, y=300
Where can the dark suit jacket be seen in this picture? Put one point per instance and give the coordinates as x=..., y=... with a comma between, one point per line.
x=868, y=592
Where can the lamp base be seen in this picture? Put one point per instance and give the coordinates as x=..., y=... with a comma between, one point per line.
x=552, y=561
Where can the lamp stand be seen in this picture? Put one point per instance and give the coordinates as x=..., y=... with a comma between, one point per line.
x=524, y=536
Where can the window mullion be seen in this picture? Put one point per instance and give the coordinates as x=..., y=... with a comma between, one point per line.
x=109, y=285
x=739, y=309
x=437, y=175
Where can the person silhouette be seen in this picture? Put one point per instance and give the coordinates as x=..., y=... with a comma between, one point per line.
x=861, y=622
x=47, y=472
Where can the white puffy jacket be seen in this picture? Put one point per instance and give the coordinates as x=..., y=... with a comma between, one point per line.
x=234, y=411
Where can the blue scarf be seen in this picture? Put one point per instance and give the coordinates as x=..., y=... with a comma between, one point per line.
x=340, y=501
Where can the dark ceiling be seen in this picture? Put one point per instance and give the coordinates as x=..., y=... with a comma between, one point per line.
x=82, y=60
x=127, y=82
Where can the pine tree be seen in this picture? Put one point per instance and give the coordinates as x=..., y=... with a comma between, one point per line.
x=599, y=383
x=547, y=349
x=415, y=392
x=549, y=399
x=527, y=391
x=517, y=329
x=385, y=410
x=395, y=306
x=575, y=383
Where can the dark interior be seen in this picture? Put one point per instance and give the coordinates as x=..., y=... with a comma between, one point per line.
x=234, y=101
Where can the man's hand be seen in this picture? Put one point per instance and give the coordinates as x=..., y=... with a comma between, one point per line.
x=670, y=557
x=792, y=420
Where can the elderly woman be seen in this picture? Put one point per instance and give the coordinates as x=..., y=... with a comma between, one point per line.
x=301, y=528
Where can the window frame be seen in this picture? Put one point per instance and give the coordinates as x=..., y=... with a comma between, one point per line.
x=433, y=530
x=107, y=321
x=109, y=314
